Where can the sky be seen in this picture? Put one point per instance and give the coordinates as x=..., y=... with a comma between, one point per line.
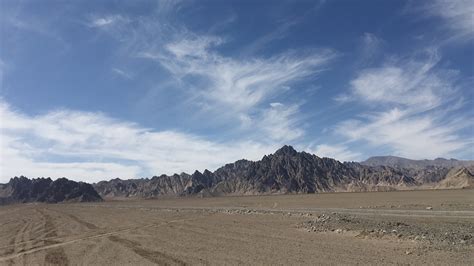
x=94, y=90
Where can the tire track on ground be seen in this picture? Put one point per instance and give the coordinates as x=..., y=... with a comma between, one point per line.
x=22, y=240
x=82, y=222
x=20, y=236
x=101, y=235
x=10, y=248
x=57, y=255
x=49, y=231
x=154, y=256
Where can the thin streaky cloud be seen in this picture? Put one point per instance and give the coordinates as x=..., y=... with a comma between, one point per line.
x=457, y=17
x=122, y=73
x=408, y=97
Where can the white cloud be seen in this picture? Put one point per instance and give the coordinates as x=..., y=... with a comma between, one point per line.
x=238, y=84
x=122, y=73
x=104, y=21
x=339, y=152
x=343, y=98
x=371, y=41
x=280, y=32
x=412, y=99
x=457, y=16
x=27, y=23
x=280, y=122
x=240, y=88
x=235, y=91
x=417, y=137
x=409, y=83
x=92, y=147
x=193, y=48
x=369, y=48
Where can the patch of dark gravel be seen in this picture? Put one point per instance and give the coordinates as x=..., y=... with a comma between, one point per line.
x=432, y=233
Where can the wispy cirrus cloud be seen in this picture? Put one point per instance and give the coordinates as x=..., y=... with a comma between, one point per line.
x=92, y=146
x=122, y=73
x=281, y=122
x=412, y=136
x=370, y=47
x=241, y=87
x=106, y=21
x=337, y=151
x=409, y=82
x=16, y=22
x=410, y=108
x=457, y=16
x=236, y=91
x=240, y=84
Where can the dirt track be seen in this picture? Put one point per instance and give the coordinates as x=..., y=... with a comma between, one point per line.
x=348, y=228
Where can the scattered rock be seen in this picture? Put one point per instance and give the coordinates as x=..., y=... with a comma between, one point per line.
x=433, y=236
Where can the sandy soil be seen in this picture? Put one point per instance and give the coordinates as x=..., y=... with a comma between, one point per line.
x=419, y=227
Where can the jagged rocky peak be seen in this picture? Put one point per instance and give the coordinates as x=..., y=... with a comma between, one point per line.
x=197, y=173
x=286, y=150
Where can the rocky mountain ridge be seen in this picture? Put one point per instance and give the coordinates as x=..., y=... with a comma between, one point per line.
x=399, y=162
x=22, y=190
x=289, y=171
x=285, y=171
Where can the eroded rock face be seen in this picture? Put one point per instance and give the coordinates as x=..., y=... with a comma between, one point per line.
x=23, y=189
x=175, y=185
x=285, y=171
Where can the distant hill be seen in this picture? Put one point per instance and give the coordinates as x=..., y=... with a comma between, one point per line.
x=400, y=162
x=289, y=171
x=22, y=189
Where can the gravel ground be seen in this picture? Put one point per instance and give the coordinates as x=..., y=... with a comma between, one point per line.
x=323, y=229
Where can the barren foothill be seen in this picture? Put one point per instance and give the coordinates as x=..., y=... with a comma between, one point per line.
x=403, y=227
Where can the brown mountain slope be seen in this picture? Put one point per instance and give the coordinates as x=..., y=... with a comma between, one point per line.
x=457, y=178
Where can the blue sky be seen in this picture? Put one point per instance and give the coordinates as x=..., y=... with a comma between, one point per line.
x=95, y=90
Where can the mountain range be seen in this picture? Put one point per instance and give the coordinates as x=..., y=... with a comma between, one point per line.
x=289, y=171
x=285, y=171
x=23, y=190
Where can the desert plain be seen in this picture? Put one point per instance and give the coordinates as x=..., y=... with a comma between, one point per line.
x=433, y=227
